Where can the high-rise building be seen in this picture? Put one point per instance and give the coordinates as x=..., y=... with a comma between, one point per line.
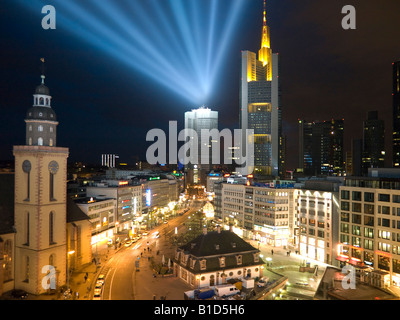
x=373, y=142
x=260, y=108
x=198, y=120
x=321, y=147
x=396, y=114
x=356, y=157
x=305, y=147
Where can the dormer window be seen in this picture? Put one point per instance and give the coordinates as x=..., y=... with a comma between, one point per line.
x=192, y=263
x=222, y=262
x=239, y=259
x=217, y=247
x=256, y=257
x=203, y=264
x=233, y=244
x=177, y=255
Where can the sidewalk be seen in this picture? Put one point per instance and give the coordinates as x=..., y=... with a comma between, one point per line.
x=288, y=265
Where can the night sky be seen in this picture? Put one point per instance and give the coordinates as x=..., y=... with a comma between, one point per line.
x=104, y=107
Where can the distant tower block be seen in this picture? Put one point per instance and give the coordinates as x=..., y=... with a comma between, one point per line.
x=108, y=160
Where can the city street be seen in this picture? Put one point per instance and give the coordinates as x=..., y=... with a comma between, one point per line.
x=123, y=281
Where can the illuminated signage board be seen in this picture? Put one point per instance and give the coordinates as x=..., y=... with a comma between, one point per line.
x=148, y=197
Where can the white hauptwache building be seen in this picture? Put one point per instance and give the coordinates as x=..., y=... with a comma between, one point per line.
x=215, y=257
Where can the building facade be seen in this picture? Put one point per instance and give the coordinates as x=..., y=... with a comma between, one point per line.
x=215, y=257
x=396, y=113
x=317, y=215
x=196, y=121
x=369, y=234
x=373, y=142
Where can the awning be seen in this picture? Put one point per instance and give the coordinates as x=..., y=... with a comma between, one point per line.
x=342, y=258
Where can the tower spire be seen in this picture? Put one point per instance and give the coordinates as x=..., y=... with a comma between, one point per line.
x=265, y=53
x=42, y=69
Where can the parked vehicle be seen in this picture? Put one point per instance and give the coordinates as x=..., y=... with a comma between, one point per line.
x=19, y=294
x=226, y=290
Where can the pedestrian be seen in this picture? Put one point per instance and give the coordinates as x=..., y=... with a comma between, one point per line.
x=272, y=251
x=77, y=295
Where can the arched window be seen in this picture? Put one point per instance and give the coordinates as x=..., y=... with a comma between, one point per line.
x=8, y=260
x=40, y=141
x=27, y=266
x=40, y=128
x=51, y=129
x=51, y=142
x=41, y=101
x=30, y=141
x=30, y=127
x=27, y=226
x=51, y=228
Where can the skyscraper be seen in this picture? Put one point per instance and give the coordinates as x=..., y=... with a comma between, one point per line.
x=305, y=147
x=396, y=114
x=373, y=142
x=321, y=147
x=260, y=108
x=198, y=120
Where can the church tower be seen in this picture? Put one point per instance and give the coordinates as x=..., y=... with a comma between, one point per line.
x=40, y=199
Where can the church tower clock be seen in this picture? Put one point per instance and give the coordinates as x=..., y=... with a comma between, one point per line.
x=40, y=199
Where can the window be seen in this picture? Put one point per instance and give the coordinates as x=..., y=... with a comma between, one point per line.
x=239, y=259
x=203, y=264
x=27, y=226
x=40, y=141
x=384, y=197
x=356, y=218
x=368, y=197
x=40, y=128
x=369, y=233
x=222, y=262
x=51, y=228
x=356, y=207
x=27, y=267
x=385, y=210
x=396, y=198
x=356, y=196
x=345, y=194
x=345, y=217
x=51, y=142
x=344, y=227
x=51, y=129
x=369, y=208
x=369, y=221
x=345, y=205
x=356, y=230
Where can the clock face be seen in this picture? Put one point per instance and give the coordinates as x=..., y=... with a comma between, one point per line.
x=53, y=167
x=26, y=166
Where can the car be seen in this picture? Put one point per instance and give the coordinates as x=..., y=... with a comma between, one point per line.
x=97, y=294
x=261, y=283
x=99, y=284
x=19, y=294
x=101, y=278
x=128, y=243
x=145, y=234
